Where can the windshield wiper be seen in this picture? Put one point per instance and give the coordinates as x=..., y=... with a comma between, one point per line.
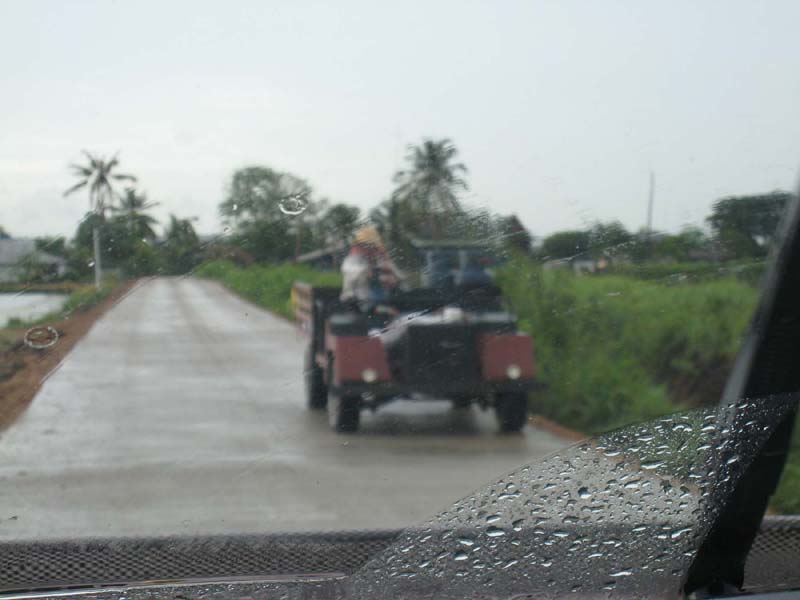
x=766, y=365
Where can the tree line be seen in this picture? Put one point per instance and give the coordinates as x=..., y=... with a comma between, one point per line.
x=424, y=203
x=116, y=232
x=739, y=228
x=270, y=216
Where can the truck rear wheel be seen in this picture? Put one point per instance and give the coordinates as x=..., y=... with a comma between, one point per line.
x=316, y=390
x=344, y=413
x=511, y=409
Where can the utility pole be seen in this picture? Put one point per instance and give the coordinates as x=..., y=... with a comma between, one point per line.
x=650, y=196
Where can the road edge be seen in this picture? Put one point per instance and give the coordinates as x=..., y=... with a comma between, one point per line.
x=21, y=388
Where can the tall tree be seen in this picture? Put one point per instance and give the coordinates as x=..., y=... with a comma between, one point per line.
x=431, y=183
x=690, y=243
x=262, y=193
x=4, y=235
x=339, y=222
x=260, y=199
x=611, y=236
x=565, y=244
x=515, y=236
x=746, y=224
x=53, y=244
x=98, y=176
x=181, y=246
x=131, y=210
x=398, y=225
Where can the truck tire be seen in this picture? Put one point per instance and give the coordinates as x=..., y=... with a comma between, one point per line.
x=511, y=409
x=344, y=413
x=316, y=390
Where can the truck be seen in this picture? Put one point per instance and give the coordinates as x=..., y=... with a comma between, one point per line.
x=449, y=337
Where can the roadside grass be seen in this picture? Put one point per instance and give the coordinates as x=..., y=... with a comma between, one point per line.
x=746, y=272
x=615, y=350
x=266, y=286
x=612, y=349
x=787, y=497
x=58, y=287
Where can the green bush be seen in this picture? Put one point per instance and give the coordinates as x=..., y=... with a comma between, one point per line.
x=267, y=286
x=612, y=349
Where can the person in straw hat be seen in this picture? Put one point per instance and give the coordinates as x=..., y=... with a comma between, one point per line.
x=368, y=272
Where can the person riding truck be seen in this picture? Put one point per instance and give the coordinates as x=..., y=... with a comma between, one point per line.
x=368, y=272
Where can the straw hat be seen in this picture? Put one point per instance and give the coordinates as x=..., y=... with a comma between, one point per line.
x=369, y=235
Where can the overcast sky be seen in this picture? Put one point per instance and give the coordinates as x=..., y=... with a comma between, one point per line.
x=560, y=109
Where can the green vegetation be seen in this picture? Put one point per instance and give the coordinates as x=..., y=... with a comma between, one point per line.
x=615, y=349
x=787, y=497
x=269, y=287
x=86, y=298
x=97, y=176
x=677, y=272
x=58, y=287
x=117, y=234
x=745, y=225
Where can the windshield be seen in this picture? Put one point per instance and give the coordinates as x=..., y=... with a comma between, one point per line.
x=305, y=268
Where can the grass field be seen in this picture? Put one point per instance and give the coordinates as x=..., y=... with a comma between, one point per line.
x=266, y=286
x=617, y=349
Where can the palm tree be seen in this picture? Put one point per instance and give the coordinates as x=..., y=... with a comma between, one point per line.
x=97, y=176
x=431, y=184
x=131, y=207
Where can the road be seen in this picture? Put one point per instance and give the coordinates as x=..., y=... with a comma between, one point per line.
x=182, y=412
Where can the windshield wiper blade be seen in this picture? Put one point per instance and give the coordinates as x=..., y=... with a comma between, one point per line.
x=766, y=365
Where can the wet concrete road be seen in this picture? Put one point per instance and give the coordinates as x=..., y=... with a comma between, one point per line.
x=182, y=412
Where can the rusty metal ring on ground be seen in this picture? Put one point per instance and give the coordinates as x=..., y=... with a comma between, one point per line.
x=41, y=337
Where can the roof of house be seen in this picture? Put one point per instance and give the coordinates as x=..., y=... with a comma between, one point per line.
x=323, y=252
x=12, y=251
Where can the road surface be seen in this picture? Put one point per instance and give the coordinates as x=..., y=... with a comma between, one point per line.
x=182, y=412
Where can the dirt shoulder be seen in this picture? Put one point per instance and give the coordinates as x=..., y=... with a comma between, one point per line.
x=23, y=369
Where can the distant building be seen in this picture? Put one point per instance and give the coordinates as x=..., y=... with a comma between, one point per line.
x=325, y=259
x=13, y=253
x=581, y=264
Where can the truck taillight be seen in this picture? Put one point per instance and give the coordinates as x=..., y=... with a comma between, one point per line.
x=513, y=371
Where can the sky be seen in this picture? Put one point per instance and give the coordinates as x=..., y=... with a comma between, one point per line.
x=560, y=110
